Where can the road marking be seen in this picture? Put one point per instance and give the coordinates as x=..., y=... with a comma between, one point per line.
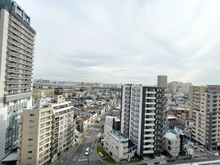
x=82, y=160
x=75, y=158
x=83, y=149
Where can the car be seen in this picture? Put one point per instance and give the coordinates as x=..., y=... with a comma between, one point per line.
x=87, y=151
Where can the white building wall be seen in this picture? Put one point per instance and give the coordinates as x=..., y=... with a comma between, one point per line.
x=172, y=144
x=114, y=146
x=4, y=19
x=3, y=124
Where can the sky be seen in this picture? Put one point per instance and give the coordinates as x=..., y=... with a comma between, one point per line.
x=126, y=41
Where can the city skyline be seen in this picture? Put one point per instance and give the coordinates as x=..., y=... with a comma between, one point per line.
x=126, y=41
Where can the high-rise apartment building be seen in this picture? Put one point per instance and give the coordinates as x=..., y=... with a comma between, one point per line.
x=206, y=116
x=17, y=40
x=143, y=116
x=46, y=131
x=162, y=81
x=195, y=89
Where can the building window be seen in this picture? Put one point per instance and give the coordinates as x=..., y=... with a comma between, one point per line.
x=31, y=127
x=30, y=133
x=31, y=139
x=29, y=145
x=29, y=158
x=31, y=114
x=29, y=151
x=31, y=121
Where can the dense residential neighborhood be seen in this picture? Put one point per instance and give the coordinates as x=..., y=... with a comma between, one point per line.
x=58, y=122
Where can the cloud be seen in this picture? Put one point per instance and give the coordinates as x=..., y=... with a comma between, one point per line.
x=126, y=41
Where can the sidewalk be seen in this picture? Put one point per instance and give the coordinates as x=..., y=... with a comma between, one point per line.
x=95, y=159
x=62, y=159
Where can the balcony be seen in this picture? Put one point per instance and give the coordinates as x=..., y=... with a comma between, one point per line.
x=17, y=55
x=14, y=37
x=150, y=114
x=19, y=145
x=21, y=26
x=18, y=151
x=148, y=146
x=150, y=92
x=15, y=31
x=14, y=43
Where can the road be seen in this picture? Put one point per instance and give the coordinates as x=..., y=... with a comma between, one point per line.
x=78, y=156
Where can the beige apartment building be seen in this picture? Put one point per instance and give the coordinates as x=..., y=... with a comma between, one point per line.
x=194, y=89
x=46, y=131
x=206, y=116
x=35, y=136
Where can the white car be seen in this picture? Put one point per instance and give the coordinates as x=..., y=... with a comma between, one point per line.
x=87, y=151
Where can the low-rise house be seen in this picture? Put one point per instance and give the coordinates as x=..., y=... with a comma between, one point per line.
x=172, y=144
x=94, y=117
x=118, y=146
x=83, y=123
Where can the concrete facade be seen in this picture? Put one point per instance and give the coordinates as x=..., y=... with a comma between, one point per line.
x=45, y=132
x=206, y=117
x=175, y=87
x=117, y=145
x=194, y=89
x=162, y=81
x=143, y=117
x=17, y=40
x=172, y=144
x=35, y=136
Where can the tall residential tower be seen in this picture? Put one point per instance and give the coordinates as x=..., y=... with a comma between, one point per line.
x=206, y=116
x=17, y=39
x=143, y=116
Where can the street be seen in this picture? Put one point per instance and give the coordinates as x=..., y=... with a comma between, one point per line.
x=78, y=156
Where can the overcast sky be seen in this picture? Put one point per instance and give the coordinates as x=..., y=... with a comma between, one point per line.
x=124, y=41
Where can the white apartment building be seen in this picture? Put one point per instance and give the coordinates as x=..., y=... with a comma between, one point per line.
x=143, y=116
x=46, y=131
x=17, y=40
x=117, y=145
x=206, y=117
x=63, y=129
x=172, y=144
x=175, y=87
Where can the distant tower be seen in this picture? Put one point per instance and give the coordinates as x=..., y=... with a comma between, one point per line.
x=162, y=81
x=58, y=95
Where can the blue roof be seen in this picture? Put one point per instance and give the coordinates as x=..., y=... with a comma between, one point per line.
x=118, y=133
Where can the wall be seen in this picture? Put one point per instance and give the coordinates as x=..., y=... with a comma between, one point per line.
x=4, y=19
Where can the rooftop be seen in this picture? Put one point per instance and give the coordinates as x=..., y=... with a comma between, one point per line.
x=118, y=134
x=171, y=136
